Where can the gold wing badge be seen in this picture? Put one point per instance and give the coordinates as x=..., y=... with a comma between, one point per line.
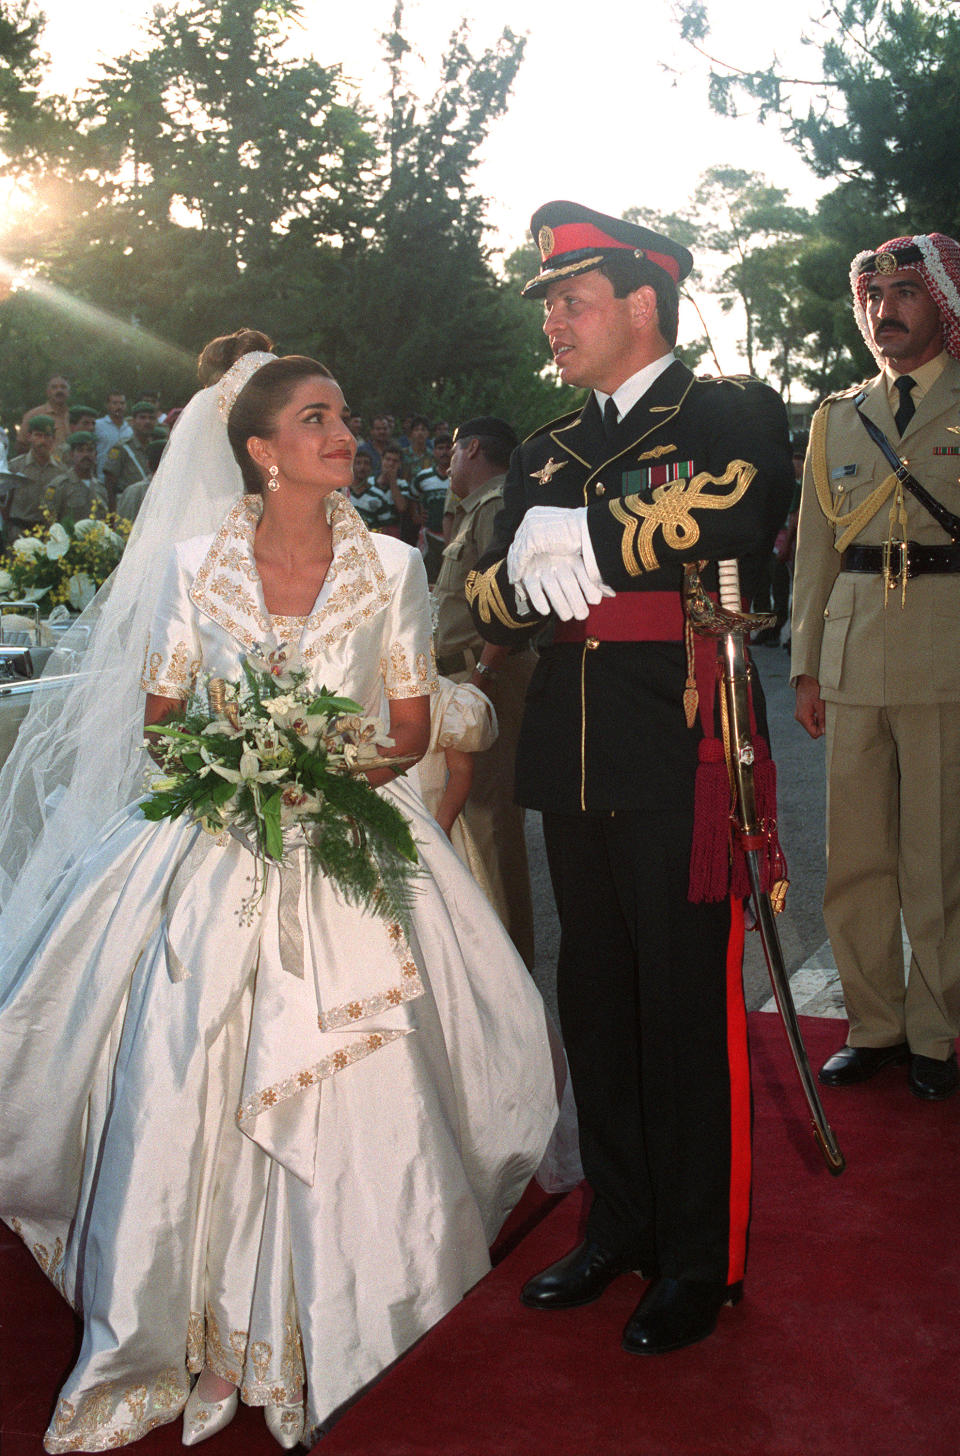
x=549, y=471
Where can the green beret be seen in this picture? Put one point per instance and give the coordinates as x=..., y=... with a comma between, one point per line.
x=144, y=407
x=81, y=437
x=45, y=423
x=77, y=411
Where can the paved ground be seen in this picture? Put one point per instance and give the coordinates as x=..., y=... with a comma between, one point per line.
x=800, y=772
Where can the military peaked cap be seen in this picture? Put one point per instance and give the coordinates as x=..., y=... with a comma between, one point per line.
x=573, y=239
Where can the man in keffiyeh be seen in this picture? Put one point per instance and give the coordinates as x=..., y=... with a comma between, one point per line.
x=876, y=665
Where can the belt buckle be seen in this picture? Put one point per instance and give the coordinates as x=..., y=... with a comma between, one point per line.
x=895, y=552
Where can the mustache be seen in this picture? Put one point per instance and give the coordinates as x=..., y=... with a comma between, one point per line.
x=892, y=324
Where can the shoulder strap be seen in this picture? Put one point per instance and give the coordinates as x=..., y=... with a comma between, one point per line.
x=143, y=473
x=942, y=516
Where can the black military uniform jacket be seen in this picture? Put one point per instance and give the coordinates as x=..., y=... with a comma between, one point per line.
x=699, y=470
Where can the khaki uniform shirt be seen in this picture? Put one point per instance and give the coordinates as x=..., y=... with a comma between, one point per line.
x=27, y=500
x=472, y=534
x=75, y=497
x=129, y=503
x=862, y=643
x=126, y=464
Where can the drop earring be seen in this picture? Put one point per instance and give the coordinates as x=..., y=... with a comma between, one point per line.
x=273, y=483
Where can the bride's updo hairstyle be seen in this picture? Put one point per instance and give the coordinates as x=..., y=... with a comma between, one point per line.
x=256, y=407
x=219, y=354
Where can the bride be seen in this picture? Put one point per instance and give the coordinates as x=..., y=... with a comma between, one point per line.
x=275, y=1175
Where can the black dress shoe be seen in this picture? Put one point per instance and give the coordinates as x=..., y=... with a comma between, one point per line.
x=578, y=1278
x=931, y=1079
x=676, y=1312
x=857, y=1064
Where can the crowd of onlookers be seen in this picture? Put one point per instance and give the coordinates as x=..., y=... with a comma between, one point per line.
x=71, y=460
x=67, y=459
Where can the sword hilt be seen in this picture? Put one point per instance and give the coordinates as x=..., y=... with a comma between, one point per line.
x=710, y=620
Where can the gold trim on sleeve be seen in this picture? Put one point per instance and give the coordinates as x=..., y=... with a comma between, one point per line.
x=673, y=514
x=481, y=587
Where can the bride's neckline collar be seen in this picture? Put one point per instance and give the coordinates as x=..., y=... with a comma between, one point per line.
x=227, y=586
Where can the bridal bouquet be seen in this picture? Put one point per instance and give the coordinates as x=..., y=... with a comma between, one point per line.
x=283, y=764
x=63, y=563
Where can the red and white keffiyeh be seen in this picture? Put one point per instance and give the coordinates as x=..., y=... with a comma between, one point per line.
x=937, y=260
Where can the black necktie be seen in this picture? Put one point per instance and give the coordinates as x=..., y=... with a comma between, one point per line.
x=907, y=409
x=611, y=418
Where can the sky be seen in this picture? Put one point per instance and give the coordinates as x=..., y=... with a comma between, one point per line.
x=609, y=107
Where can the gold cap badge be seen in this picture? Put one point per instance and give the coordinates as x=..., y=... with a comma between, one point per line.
x=886, y=263
x=546, y=241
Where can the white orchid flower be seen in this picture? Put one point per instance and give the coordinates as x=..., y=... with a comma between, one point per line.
x=296, y=804
x=250, y=770
x=266, y=739
x=280, y=663
x=309, y=728
x=30, y=546
x=85, y=527
x=58, y=543
x=82, y=590
x=34, y=593
x=6, y=581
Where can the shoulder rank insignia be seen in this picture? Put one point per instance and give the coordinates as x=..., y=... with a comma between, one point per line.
x=549, y=471
x=656, y=452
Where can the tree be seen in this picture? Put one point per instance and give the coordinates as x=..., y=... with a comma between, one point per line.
x=189, y=169
x=883, y=114
x=21, y=66
x=206, y=180
x=423, y=321
x=753, y=232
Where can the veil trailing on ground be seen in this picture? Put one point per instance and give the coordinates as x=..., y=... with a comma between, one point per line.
x=79, y=755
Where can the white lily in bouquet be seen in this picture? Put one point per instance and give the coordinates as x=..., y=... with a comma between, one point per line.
x=282, y=764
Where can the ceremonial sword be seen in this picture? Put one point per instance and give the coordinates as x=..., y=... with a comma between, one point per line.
x=731, y=626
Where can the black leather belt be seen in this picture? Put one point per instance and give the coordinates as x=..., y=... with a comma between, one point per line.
x=921, y=560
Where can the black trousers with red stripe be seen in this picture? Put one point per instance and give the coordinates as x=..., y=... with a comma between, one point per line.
x=651, y=1007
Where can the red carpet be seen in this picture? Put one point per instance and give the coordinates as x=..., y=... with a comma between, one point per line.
x=846, y=1343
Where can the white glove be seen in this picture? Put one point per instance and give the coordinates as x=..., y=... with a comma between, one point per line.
x=560, y=584
x=545, y=531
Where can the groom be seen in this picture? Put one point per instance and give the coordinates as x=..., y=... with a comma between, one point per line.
x=601, y=509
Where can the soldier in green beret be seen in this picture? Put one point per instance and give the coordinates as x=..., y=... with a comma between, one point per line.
x=126, y=463
x=78, y=493
x=25, y=503
x=82, y=417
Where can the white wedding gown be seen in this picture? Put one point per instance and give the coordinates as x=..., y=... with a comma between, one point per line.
x=284, y=1163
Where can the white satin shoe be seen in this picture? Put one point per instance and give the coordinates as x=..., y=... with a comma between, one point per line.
x=204, y=1418
x=285, y=1424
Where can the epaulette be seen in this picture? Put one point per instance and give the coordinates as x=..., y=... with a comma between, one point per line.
x=740, y=380
x=552, y=424
x=848, y=393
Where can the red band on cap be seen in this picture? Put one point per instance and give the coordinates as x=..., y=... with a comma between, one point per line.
x=664, y=261
x=570, y=237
